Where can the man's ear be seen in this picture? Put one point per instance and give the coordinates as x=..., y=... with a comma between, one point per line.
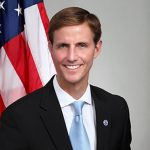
x=50, y=46
x=98, y=48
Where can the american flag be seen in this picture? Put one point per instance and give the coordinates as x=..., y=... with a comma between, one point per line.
x=25, y=60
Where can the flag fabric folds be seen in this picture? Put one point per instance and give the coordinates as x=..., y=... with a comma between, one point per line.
x=25, y=60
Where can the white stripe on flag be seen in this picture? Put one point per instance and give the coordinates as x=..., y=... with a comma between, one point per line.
x=10, y=84
x=37, y=40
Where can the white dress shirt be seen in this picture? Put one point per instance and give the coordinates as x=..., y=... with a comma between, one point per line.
x=88, y=111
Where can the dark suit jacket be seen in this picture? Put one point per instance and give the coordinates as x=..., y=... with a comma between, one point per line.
x=35, y=122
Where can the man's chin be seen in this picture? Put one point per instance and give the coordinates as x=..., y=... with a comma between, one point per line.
x=72, y=79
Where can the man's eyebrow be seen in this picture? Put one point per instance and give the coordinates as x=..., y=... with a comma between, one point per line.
x=82, y=42
x=62, y=44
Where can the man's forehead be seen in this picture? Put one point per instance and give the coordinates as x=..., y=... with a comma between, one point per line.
x=76, y=28
x=76, y=34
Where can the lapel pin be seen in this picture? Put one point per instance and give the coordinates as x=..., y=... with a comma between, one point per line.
x=105, y=123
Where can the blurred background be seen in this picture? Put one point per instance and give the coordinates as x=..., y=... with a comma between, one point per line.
x=123, y=66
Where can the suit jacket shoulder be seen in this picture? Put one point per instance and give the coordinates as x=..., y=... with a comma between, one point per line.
x=34, y=122
x=32, y=100
x=112, y=120
x=108, y=98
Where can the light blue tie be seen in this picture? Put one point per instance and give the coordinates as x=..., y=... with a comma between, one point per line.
x=78, y=136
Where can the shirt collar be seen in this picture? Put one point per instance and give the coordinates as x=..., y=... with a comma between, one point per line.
x=65, y=99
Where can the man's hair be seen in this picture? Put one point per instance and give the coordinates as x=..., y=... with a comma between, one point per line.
x=75, y=16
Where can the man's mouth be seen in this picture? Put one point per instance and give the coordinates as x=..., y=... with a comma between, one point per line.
x=72, y=67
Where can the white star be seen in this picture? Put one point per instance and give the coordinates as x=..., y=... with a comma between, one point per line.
x=1, y=5
x=18, y=10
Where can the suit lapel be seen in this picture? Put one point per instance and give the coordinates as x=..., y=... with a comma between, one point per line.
x=103, y=120
x=52, y=118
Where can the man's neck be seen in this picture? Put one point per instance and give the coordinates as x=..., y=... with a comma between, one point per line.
x=76, y=90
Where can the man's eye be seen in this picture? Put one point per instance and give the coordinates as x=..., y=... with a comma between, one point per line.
x=62, y=45
x=82, y=45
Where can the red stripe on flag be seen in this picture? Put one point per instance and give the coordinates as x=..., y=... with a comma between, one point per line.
x=21, y=58
x=2, y=106
x=44, y=16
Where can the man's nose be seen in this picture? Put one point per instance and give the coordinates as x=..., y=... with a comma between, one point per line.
x=72, y=56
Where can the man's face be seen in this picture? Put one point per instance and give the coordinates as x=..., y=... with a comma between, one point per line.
x=73, y=51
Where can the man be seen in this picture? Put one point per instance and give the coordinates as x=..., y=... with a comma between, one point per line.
x=44, y=120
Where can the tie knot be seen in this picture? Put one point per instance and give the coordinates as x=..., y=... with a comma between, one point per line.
x=78, y=105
